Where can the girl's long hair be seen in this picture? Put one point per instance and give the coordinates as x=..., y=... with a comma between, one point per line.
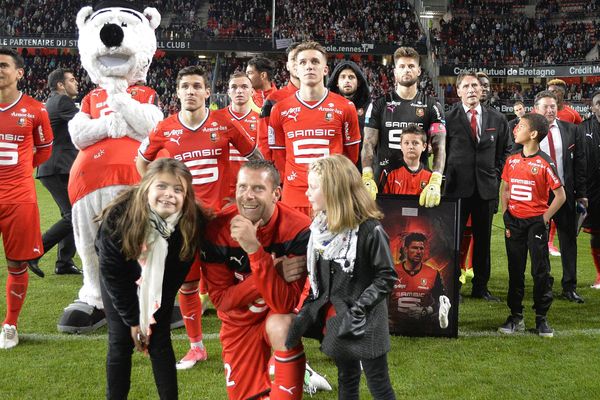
x=133, y=222
x=347, y=201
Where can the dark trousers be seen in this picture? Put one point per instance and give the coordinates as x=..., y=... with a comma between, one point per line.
x=566, y=228
x=531, y=234
x=120, y=350
x=378, y=378
x=62, y=231
x=481, y=212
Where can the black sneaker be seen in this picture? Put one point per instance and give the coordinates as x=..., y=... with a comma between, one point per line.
x=514, y=323
x=544, y=330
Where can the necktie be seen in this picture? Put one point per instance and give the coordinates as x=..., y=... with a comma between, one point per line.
x=551, y=146
x=474, y=125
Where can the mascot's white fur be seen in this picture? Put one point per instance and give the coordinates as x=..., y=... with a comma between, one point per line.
x=116, y=45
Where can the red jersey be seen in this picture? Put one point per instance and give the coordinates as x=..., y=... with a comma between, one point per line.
x=404, y=181
x=245, y=288
x=24, y=128
x=260, y=96
x=250, y=123
x=263, y=124
x=109, y=161
x=529, y=181
x=420, y=288
x=301, y=132
x=203, y=149
x=568, y=114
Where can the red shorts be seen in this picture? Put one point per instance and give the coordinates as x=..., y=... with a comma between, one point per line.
x=21, y=234
x=246, y=353
x=194, y=274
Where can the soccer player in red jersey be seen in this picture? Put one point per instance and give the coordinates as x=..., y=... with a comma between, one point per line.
x=565, y=112
x=283, y=93
x=260, y=72
x=201, y=139
x=25, y=142
x=418, y=301
x=313, y=123
x=253, y=301
x=240, y=110
x=528, y=177
x=412, y=176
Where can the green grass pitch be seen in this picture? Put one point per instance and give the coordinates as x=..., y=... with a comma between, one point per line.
x=480, y=364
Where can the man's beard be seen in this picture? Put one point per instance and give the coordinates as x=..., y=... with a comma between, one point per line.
x=408, y=83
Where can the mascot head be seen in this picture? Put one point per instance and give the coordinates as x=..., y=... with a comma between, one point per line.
x=116, y=40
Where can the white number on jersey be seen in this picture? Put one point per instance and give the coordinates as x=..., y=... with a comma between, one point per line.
x=305, y=151
x=520, y=192
x=203, y=175
x=228, y=380
x=10, y=156
x=394, y=138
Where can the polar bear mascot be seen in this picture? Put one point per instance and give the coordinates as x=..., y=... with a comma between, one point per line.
x=116, y=45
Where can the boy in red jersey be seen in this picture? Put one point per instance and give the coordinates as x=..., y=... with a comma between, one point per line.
x=528, y=177
x=254, y=303
x=25, y=142
x=201, y=139
x=311, y=124
x=412, y=176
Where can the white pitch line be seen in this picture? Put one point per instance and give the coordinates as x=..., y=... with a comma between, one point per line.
x=215, y=336
x=94, y=337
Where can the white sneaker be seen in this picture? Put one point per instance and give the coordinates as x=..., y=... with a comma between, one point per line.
x=313, y=381
x=443, y=311
x=596, y=284
x=553, y=250
x=9, y=337
x=194, y=355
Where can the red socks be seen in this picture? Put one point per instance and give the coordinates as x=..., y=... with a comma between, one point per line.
x=465, y=243
x=191, y=310
x=16, y=290
x=289, y=374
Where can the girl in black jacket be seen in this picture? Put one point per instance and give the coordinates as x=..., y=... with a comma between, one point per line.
x=146, y=246
x=351, y=273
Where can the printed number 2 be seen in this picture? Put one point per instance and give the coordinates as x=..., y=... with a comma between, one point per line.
x=520, y=192
x=9, y=157
x=228, y=380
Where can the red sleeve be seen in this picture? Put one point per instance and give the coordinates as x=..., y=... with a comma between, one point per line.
x=152, y=145
x=42, y=138
x=263, y=137
x=351, y=133
x=241, y=139
x=225, y=291
x=85, y=104
x=276, y=140
x=280, y=296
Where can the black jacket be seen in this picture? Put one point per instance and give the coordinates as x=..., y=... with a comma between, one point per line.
x=472, y=166
x=589, y=131
x=119, y=275
x=61, y=109
x=574, y=163
x=368, y=287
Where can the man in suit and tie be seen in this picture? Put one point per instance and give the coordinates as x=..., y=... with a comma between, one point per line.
x=476, y=148
x=519, y=110
x=54, y=173
x=566, y=147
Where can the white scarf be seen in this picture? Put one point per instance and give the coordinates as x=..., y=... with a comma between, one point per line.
x=152, y=260
x=339, y=247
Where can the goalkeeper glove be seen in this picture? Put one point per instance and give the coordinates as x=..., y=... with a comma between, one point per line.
x=431, y=194
x=369, y=182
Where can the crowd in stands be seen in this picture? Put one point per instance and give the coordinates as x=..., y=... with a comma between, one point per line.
x=352, y=21
x=498, y=34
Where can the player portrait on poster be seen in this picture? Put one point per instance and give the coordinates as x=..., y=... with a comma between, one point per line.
x=424, y=245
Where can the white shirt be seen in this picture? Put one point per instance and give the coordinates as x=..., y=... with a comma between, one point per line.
x=558, y=148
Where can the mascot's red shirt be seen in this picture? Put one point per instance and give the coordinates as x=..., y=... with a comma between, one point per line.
x=110, y=161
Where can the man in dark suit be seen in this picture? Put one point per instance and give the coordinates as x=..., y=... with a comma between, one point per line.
x=476, y=148
x=54, y=173
x=519, y=110
x=566, y=146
